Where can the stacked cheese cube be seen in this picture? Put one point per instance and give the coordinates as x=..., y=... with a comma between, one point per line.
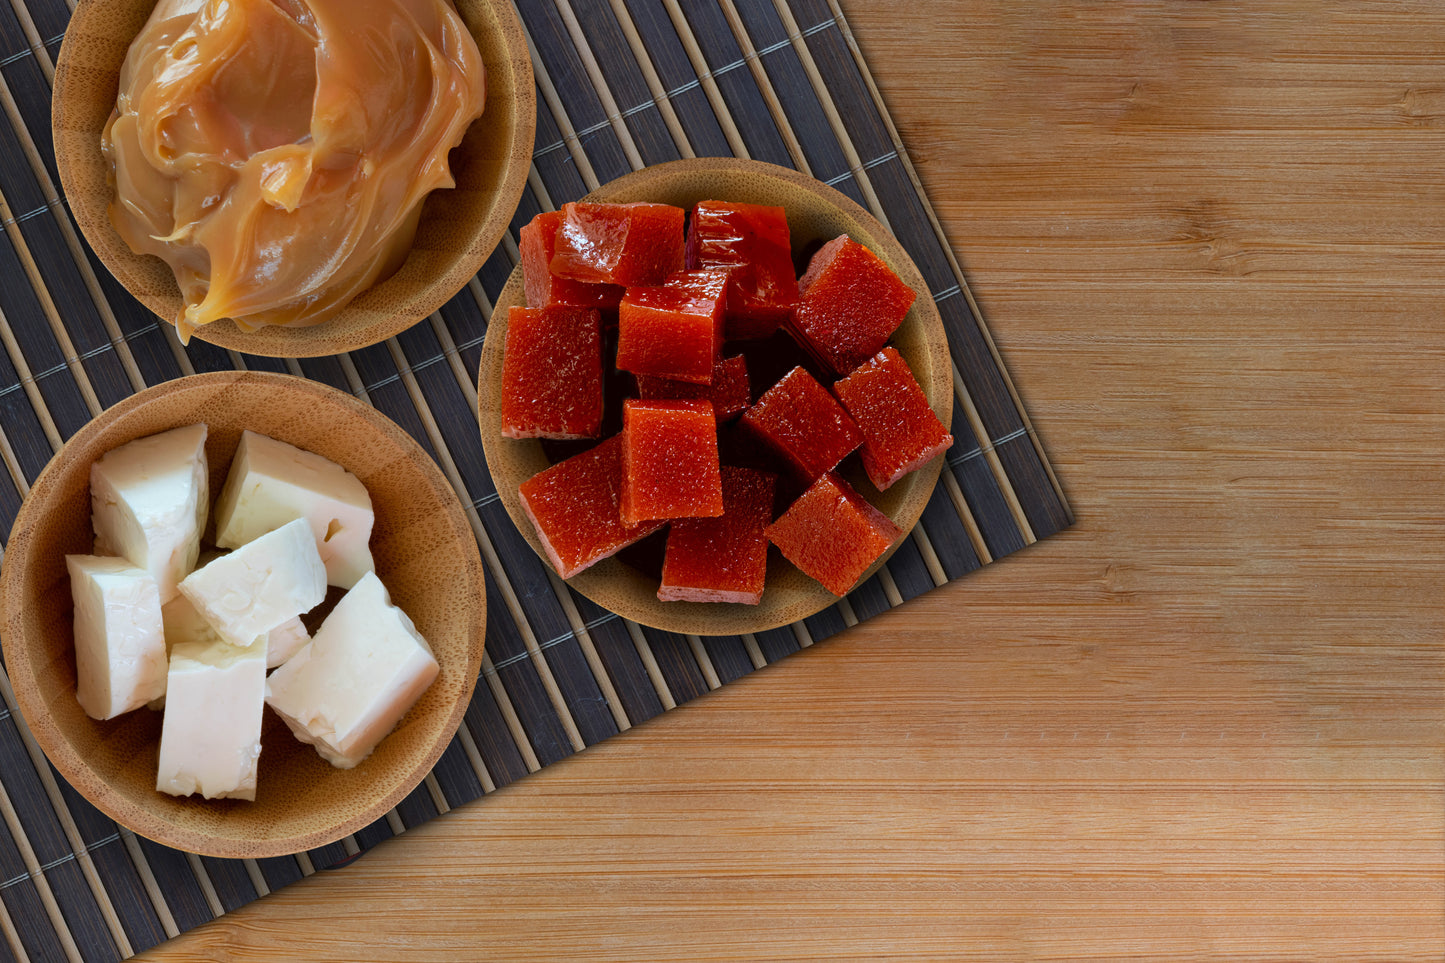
x=160, y=623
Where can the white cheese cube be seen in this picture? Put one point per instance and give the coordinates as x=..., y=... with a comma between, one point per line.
x=365, y=667
x=148, y=502
x=211, y=733
x=184, y=624
x=284, y=641
x=260, y=585
x=120, y=650
x=272, y=483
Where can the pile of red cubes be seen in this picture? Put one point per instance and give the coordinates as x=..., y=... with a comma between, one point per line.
x=668, y=320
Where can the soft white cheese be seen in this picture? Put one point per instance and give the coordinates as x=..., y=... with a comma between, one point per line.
x=284, y=641
x=120, y=650
x=260, y=585
x=148, y=503
x=211, y=733
x=365, y=667
x=272, y=483
x=184, y=624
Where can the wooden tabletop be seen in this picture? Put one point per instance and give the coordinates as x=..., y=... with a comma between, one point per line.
x=1209, y=720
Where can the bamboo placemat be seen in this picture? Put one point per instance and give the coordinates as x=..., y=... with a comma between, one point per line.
x=622, y=84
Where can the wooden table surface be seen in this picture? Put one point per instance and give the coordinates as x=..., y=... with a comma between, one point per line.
x=1208, y=721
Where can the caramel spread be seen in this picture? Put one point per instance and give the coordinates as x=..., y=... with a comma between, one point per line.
x=275, y=153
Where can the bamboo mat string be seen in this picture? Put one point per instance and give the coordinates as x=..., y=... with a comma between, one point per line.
x=653, y=81
x=594, y=73
x=755, y=66
x=706, y=79
x=36, y=875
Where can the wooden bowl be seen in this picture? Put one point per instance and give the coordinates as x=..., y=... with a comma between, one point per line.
x=816, y=213
x=459, y=228
x=426, y=555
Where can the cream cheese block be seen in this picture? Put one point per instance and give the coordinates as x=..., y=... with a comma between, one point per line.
x=120, y=649
x=260, y=585
x=365, y=667
x=211, y=733
x=148, y=502
x=271, y=483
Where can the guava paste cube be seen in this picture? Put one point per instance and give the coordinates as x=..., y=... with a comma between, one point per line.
x=543, y=288
x=575, y=508
x=753, y=240
x=730, y=391
x=552, y=373
x=849, y=303
x=803, y=423
x=670, y=466
x=900, y=430
x=626, y=244
x=832, y=534
x=673, y=330
x=723, y=559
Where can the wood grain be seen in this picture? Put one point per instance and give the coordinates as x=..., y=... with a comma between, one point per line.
x=1206, y=722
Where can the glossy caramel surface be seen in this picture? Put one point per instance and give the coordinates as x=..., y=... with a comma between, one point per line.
x=275, y=153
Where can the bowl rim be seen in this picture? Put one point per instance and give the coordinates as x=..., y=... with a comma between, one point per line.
x=57, y=748
x=676, y=616
x=308, y=341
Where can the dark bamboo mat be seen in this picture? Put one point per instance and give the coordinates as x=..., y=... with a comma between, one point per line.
x=621, y=84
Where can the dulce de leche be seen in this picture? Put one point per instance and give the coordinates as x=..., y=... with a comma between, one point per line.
x=276, y=153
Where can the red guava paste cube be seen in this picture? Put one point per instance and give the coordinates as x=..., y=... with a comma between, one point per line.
x=722, y=559
x=900, y=430
x=849, y=304
x=543, y=288
x=673, y=331
x=730, y=391
x=575, y=507
x=753, y=240
x=670, y=467
x=552, y=373
x=804, y=424
x=832, y=534
x=627, y=244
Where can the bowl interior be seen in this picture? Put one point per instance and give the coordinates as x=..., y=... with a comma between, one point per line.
x=459, y=228
x=425, y=553
x=816, y=213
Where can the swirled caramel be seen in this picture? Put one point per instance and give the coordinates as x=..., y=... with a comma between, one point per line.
x=276, y=153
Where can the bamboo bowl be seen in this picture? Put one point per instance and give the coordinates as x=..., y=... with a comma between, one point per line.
x=816, y=213
x=459, y=228
x=425, y=553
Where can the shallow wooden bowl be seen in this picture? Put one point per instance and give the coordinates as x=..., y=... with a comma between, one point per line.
x=425, y=554
x=459, y=228
x=816, y=213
